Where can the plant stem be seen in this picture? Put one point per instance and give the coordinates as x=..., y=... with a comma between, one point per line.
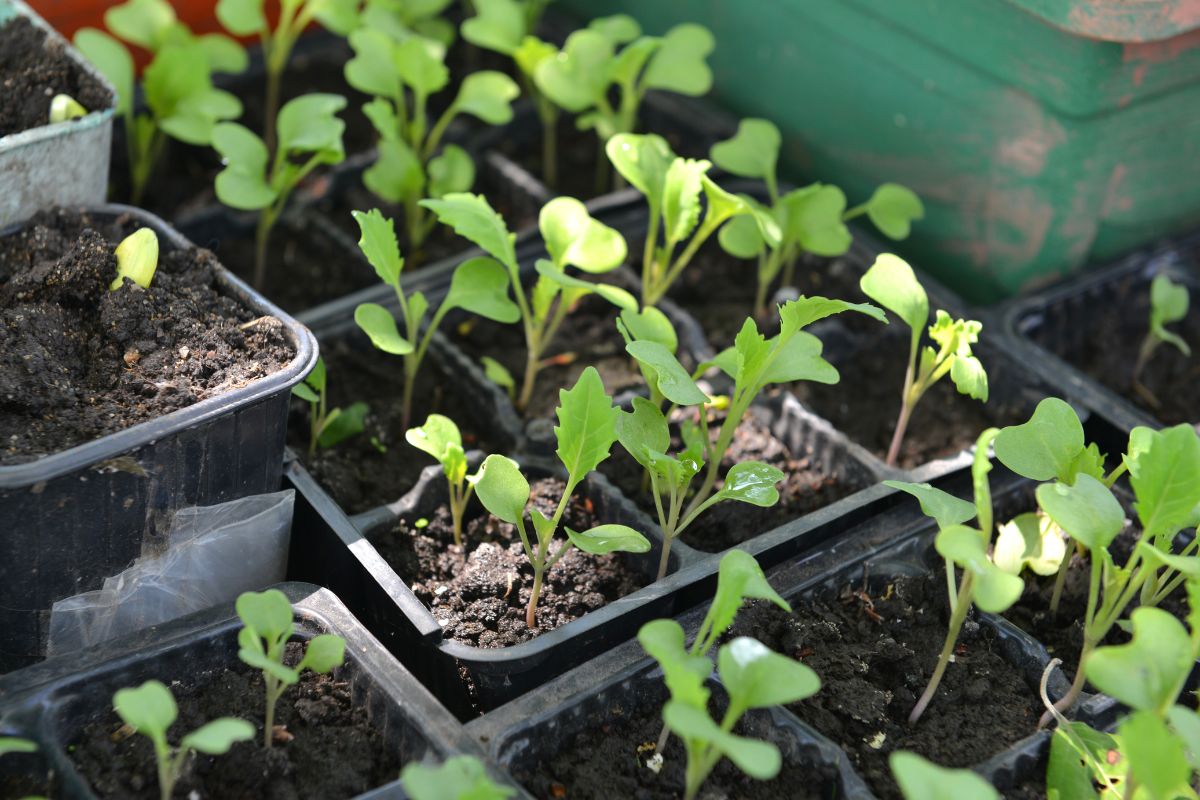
x=898, y=437
x=535, y=593
x=1061, y=579
x=965, y=593
x=410, y=380
x=262, y=235
x=533, y=364
x=269, y=721
x=271, y=109
x=550, y=149
x=166, y=768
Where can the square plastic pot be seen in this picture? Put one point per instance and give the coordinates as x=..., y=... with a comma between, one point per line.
x=77, y=516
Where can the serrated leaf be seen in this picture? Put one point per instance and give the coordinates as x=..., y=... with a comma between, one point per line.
x=681, y=198
x=969, y=377
x=671, y=378
x=942, y=506
x=586, y=426
x=377, y=241
x=893, y=208
x=379, y=324
x=472, y=217
x=501, y=488
x=1045, y=447
x=610, y=538
x=480, y=286
x=797, y=314
x=679, y=64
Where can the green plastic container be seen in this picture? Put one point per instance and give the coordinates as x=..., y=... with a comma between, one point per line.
x=1042, y=134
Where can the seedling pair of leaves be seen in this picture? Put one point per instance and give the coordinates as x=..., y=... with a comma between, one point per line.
x=811, y=219
x=177, y=90
x=751, y=674
x=150, y=710
x=327, y=427
x=456, y=778
x=477, y=286
x=572, y=238
x=920, y=779
x=586, y=432
x=440, y=438
x=892, y=283
x=404, y=18
x=255, y=179
x=674, y=188
x=268, y=626
x=1168, y=304
x=401, y=71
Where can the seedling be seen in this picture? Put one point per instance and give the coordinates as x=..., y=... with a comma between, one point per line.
x=327, y=427
x=1168, y=304
x=403, y=18
x=15, y=744
x=269, y=625
x=752, y=675
x=180, y=100
x=63, y=107
x=811, y=219
x=440, y=437
x=137, y=259
x=410, y=165
x=572, y=238
x=892, y=283
x=508, y=27
x=310, y=135
x=586, y=431
x=920, y=779
x=588, y=71
x=478, y=286
x=673, y=187
x=456, y=778
x=248, y=18
x=150, y=710
x=649, y=325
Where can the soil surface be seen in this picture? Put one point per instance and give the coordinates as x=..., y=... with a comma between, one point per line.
x=34, y=70
x=78, y=361
x=357, y=473
x=324, y=747
x=479, y=592
x=873, y=671
x=809, y=484
x=606, y=761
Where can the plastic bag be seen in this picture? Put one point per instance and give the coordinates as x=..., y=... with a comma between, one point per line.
x=212, y=554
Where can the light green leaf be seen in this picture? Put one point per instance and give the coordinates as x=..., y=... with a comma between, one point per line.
x=893, y=208
x=14, y=744
x=495, y=372
x=671, y=378
x=804, y=311
x=969, y=377
x=145, y=23
x=741, y=237
x=266, y=614
x=450, y=171
x=531, y=53
x=323, y=653
x=242, y=17
x=396, y=174
x=757, y=677
x=752, y=482
x=643, y=161
x=342, y=423
x=1165, y=476
x=419, y=64
x=1168, y=303
x=586, y=426
x=137, y=258
x=149, y=709
x=752, y=152
x=681, y=197
x=457, y=778
x=1157, y=760
x=224, y=54
x=892, y=283
x=216, y=737
x=372, y=70
x=1088, y=512
x=488, y=95
x=1045, y=447
x=435, y=436
x=1029, y=540
x=379, y=324
x=679, y=64
x=649, y=325
x=480, y=286
x=813, y=218
x=936, y=503
x=610, y=538
x=739, y=577
x=241, y=184
x=472, y=217
x=112, y=59
x=923, y=780
x=799, y=359
x=759, y=760
x=1147, y=673
x=1186, y=724
x=684, y=673
x=643, y=430
x=995, y=590
x=573, y=237
x=618, y=28
x=498, y=25
x=377, y=241
x=1070, y=769
x=551, y=276
x=308, y=124
x=578, y=74
x=501, y=488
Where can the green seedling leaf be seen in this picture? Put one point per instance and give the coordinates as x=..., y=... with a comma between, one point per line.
x=923, y=780
x=669, y=375
x=323, y=653
x=396, y=173
x=759, y=760
x=137, y=258
x=450, y=172
x=577, y=75
x=1157, y=760
x=501, y=488
x=586, y=426
x=112, y=59
x=456, y=778
x=63, y=107
x=224, y=54
x=812, y=216
x=643, y=161
x=1168, y=304
x=308, y=124
x=757, y=677
x=438, y=437
x=216, y=737
x=752, y=152
x=995, y=590
x=618, y=28
x=684, y=673
x=342, y=424
x=15, y=744
x=892, y=283
x=741, y=237
x=611, y=538
x=957, y=336
x=495, y=372
x=1047, y=446
x=739, y=577
x=1147, y=673
x=797, y=314
x=242, y=17
x=373, y=69
x=480, y=285
x=149, y=709
x=146, y=23
x=1029, y=540
x=613, y=294
x=498, y=25
x=643, y=431
x=420, y=65
x=752, y=482
x=472, y=217
x=488, y=95
x=648, y=324
x=379, y=324
x=682, y=186
x=269, y=614
x=893, y=208
x=1186, y=724
x=940, y=505
x=242, y=183
x=1164, y=471
x=679, y=63
x=1070, y=768
x=1088, y=512
x=378, y=243
x=573, y=237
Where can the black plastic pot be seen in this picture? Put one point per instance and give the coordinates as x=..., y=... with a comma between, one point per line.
x=53, y=700
x=75, y=517
x=1051, y=330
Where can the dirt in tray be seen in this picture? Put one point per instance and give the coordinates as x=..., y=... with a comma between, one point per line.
x=34, y=70
x=78, y=361
x=606, y=760
x=324, y=746
x=359, y=474
x=810, y=484
x=479, y=592
x=873, y=670
x=588, y=337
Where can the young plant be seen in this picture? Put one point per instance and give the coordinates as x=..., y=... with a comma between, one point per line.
x=1168, y=304
x=508, y=27
x=586, y=431
x=456, y=778
x=920, y=779
x=811, y=219
x=752, y=675
x=673, y=188
x=137, y=259
x=572, y=238
x=177, y=89
x=249, y=18
x=478, y=286
x=984, y=584
x=404, y=18
x=327, y=427
x=310, y=135
x=892, y=283
x=269, y=625
x=648, y=325
x=588, y=71
x=63, y=108
x=150, y=710
x=411, y=163
x=440, y=438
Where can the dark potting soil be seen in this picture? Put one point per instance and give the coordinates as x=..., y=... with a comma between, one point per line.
x=1033, y=788
x=873, y=671
x=356, y=473
x=479, y=591
x=34, y=70
x=809, y=484
x=607, y=760
x=588, y=337
x=78, y=361
x=324, y=746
